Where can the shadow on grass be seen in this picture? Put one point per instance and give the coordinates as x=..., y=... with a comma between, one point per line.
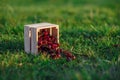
x=11, y=46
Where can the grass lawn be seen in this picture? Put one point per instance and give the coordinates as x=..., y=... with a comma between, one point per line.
x=90, y=29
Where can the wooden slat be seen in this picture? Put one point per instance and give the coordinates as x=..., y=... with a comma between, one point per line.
x=50, y=31
x=41, y=25
x=31, y=35
x=27, y=39
x=34, y=41
x=55, y=33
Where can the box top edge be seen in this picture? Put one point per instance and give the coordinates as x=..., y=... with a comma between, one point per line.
x=41, y=24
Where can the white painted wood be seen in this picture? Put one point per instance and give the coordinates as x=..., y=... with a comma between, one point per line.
x=42, y=25
x=34, y=41
x=50, y=31
x=27, y=39
x=31, y=35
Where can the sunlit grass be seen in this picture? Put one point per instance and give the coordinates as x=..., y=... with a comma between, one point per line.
x=89, y=29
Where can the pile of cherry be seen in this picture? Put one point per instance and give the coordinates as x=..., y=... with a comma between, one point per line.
x=49, y=45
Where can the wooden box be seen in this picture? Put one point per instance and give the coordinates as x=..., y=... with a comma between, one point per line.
x=31, y=35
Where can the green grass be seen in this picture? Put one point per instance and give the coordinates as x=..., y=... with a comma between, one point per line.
x=90, y=29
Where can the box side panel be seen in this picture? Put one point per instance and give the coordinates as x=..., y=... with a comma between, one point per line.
x=34, y=40
x=55, y=33
x=27, y=39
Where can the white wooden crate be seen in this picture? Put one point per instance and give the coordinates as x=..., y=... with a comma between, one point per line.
x=31, y=35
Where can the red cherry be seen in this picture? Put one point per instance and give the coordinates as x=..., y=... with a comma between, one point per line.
x=73, y=57
x=69, y=54
x=45, y=33
x=58, y=55
x=52, y=38
x=44, y=37
x=44, y=42
x=40, y=43
x=40, y=38
x=49, y=44
x=59, y=51
x=49, y=39
x=53, y=56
